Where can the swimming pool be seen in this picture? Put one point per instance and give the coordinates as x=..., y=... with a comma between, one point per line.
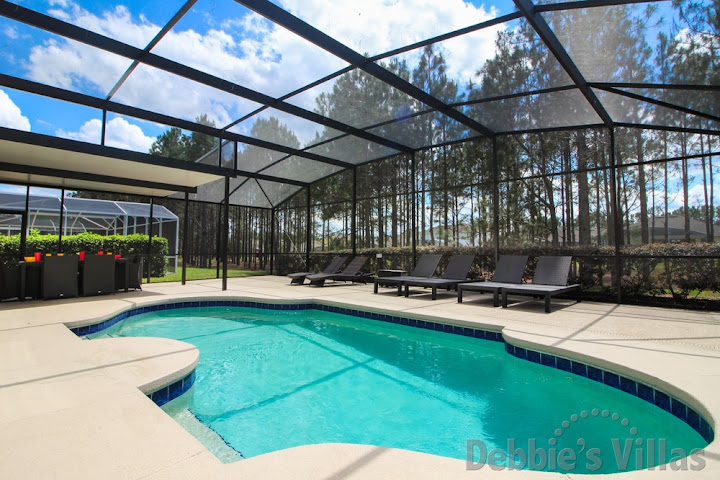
x=269, y=380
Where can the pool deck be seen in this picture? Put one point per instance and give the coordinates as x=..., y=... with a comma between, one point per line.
x=71, y=408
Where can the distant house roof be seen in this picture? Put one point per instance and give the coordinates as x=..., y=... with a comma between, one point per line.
x=84, y=206
x=676, y=226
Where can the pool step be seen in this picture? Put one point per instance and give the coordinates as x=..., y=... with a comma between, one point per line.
x=207, y=436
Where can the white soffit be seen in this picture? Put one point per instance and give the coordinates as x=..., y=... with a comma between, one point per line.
x=87, y=164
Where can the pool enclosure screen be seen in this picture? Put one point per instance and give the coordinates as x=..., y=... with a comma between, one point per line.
x=378, y=124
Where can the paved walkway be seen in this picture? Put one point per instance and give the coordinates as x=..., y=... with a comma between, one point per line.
x=71, y=408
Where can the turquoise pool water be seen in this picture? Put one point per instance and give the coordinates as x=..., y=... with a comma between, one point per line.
x=269, y=380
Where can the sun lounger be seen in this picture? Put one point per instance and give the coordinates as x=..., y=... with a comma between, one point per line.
x=298, y=278
x=455, y=273
x=508, y=273
x=550, y=279
x=424, y=269
x=352, y=273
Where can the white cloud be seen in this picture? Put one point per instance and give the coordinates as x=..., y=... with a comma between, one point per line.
x=119, y=133
x=16, y=189
x=696, y=194
x=75, y=66
x=378, y=26
x=89, y=132
x=34, y=191
x=115, y=23
x=11, y=32
x=10, y=114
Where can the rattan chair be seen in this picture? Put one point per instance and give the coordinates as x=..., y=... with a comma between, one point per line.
x=60, y=277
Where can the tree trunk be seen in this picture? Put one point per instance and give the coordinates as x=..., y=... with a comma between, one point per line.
x=644, y=237
x=652, y=208
x=583, y=219
x=665, y=189
x=394, y=208
x=551, y=210
x=563, y=210
x=686, y=193
x=446, y=199
x=712, y=194
x=708, y=215
x=598, y=182
x=625, y=214
x=432, y=209
x=472, y=217
x=569, y=224
x=609, y=210
x=421, y=213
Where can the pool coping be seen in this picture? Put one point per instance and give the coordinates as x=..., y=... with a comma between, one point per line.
x=687, y=409
x=148, y=444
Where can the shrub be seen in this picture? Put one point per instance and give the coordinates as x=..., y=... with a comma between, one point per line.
x=125, y=245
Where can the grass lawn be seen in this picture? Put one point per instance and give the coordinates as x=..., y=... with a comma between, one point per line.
x=204, y=274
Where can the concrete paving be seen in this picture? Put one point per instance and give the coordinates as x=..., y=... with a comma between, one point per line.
x=72, y=408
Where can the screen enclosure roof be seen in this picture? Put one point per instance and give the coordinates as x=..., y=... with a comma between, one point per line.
x=280, y=94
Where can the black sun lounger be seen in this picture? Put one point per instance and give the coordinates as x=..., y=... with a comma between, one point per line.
x=424, y=269
x=456, y=273
x=352, y=273
x=298, y=278
x=550, y=279
x=508, y=272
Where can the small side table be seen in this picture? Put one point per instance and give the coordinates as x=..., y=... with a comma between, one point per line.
x=391, y=273
x=388, y=273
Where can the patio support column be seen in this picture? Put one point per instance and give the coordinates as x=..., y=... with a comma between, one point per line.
x=150, y=236
x=225, y=231
x=308, y=231
x=25, y=220
x=617, y=220
x=272, y=239
x=62, y=219
x=496, y=197
x=186, y=232
x=218, y=243
x=413, y=209
x=353, y=219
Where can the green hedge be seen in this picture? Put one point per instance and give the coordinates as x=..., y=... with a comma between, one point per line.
x=124, y=245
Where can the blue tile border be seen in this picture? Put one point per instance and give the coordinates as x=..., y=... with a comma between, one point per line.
x=628, y=385
x=411, y=322
x=163, y=395
x=645, y=392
